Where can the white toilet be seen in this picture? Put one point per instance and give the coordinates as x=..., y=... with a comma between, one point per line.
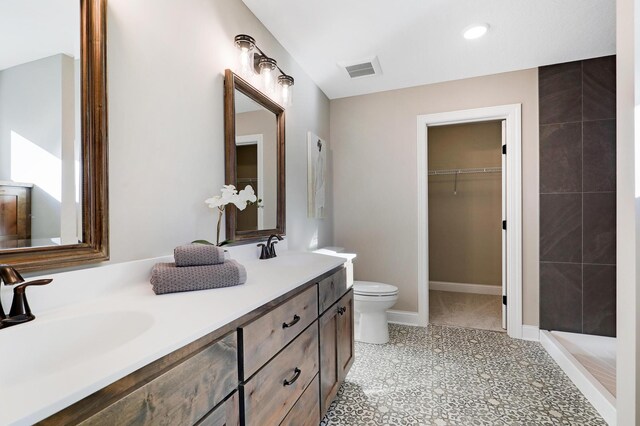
x=370, y=304
x=371, y=301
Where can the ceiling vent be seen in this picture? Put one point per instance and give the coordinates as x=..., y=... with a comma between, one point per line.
x=362, y=68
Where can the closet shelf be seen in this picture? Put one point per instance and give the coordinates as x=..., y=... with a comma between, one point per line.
x=465, y=171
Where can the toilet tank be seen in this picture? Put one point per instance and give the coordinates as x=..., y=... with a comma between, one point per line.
x=339, y=252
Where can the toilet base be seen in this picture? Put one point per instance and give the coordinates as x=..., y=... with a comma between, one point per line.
x=372, y=327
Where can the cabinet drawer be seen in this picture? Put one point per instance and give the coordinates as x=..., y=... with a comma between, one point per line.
x=331, y=289
x=227, y=414
x=267, y=335
x=270, y=394
x=306, y=412
x=203, y=380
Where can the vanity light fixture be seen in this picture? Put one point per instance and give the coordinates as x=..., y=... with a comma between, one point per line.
x=475, y=31
x=254, y=61
x=246, y=44
x=285, y=82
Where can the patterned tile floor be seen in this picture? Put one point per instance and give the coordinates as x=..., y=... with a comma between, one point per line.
x=456, y=376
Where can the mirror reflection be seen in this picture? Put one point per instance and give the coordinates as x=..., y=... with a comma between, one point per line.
x=40, y=137
x=256, y=162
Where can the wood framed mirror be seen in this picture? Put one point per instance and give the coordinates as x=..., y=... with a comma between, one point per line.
x=254, y=155
x=53, y=180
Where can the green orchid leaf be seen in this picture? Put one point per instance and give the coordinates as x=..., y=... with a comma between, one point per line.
x=202, y=242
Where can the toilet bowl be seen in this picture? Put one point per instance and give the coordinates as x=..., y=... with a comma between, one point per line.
x=371, y=301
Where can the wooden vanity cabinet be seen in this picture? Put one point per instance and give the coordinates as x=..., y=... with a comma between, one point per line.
x=336, y=348
x=281, y=364
x=275, y=349
x=179, y=389
x=345, y=345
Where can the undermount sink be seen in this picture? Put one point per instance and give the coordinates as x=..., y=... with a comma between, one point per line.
x=36, y=349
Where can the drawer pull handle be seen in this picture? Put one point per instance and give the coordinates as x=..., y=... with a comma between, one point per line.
x=342, y=310
x=296, y=374
x=295, y=320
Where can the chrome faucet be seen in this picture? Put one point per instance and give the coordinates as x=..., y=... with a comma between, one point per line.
x=268, y=249
x=20, y=311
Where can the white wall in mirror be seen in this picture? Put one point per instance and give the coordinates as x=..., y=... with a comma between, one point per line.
x=40, y=119
x=36, y=29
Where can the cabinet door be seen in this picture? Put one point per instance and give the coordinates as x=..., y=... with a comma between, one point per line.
x=8, y=216
x=329, y=366
x=345, y=335
x=15, y=212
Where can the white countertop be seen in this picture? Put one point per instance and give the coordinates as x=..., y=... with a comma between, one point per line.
x=98, y=325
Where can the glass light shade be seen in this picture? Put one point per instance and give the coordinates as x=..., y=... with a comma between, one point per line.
x=246, y=62
x=245, y=45
x=285, y=90
x=267, y=68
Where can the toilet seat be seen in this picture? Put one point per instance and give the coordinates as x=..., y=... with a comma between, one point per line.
x=374, y=289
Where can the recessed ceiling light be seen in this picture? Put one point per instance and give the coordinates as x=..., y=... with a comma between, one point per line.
x=475, y=31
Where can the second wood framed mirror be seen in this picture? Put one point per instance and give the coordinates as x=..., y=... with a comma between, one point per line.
x=254, y=156
x=53, y=149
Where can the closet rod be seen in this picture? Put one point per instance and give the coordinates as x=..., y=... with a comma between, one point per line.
x=465, y=171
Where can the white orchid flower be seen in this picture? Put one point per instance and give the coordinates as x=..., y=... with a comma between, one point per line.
x=215, y=202
x=228, y=191
x=243, y=197
x=231, y=195
x=247, y=194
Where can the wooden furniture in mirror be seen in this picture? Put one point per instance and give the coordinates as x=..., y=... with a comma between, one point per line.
x=254, y=156
x=54, y=136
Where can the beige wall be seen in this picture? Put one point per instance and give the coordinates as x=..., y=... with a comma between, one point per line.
x=373, y=138
x=166, y=62
x=465, y=227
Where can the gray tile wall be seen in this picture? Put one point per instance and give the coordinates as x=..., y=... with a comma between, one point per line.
x=577, y=196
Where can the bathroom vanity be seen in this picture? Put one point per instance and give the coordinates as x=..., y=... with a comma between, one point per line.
x=272, y=351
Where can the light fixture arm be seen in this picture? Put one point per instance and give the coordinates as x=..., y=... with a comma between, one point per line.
x=264, y=65
x=262, y=54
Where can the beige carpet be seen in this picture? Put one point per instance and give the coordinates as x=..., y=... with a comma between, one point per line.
x=481, y=311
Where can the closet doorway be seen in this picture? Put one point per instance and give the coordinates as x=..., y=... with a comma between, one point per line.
x=466, y=213
x=508, y=117
x=250, y=171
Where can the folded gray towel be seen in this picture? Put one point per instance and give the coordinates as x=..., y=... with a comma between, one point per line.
x=168, y=278
x=198, y=254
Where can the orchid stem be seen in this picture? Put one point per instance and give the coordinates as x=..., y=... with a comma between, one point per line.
x=219, y=221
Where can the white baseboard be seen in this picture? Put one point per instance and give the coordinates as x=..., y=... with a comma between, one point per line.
x=465, y=288
x=531, y=332
x=403, y=317
x=596, y=394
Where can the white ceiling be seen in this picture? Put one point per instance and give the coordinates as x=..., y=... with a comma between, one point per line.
x=36, y=29
x=420, y=41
